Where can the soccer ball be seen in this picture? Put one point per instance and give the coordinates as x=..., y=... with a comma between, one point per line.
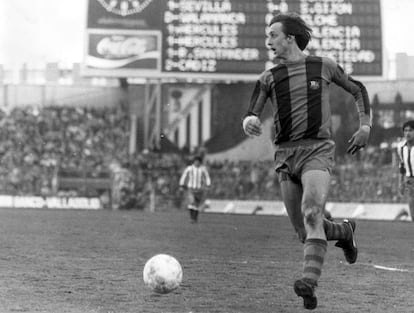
x=162, y=273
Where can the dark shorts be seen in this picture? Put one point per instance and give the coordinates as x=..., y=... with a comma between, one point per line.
x=292, y=160
x=196, y=197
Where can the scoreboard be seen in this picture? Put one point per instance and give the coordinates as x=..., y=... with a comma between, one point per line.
x=223, y=39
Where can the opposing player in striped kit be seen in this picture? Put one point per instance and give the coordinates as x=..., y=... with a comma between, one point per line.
x=298, y=90
x=195, y=179
x=405, y=151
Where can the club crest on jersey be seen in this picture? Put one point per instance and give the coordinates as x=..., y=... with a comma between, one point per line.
x=314, y=85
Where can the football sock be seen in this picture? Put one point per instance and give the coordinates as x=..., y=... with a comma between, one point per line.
x=314, y=254
x=336, y=231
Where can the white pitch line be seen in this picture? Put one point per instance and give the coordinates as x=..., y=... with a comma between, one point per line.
x=393, y=269
x=379, y=267
x=387, y=268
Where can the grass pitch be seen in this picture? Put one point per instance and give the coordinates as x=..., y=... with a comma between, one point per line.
x=92, y=261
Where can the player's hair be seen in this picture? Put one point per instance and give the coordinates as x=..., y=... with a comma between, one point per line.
x=198, y=158
x=294, y=25
x=409, y=123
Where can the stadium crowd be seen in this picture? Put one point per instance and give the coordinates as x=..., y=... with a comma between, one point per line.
x=38, y=147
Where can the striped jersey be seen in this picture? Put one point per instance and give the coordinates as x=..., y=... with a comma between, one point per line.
x=299, y=95
x=406, y=156
x=195, y=177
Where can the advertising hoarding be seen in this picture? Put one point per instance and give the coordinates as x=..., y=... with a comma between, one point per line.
x=123, y=52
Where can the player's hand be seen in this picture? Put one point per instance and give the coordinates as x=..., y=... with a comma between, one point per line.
x=359, y=140
x=252, y=126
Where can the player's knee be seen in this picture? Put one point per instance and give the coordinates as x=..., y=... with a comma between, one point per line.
x=312, y=216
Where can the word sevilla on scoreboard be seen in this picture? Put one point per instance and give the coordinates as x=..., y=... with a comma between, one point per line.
x=224, y=38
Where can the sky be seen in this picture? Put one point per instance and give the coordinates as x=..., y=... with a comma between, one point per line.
x=40, y=31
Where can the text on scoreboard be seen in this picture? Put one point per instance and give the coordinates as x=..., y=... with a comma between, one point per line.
x=228, y=36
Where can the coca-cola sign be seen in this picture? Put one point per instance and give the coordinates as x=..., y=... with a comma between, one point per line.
x=123, y=50
x=115, y=47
